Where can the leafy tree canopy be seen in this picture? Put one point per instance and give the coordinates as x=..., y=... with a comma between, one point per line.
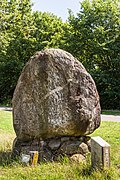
x=93, y=36
x=22, y=33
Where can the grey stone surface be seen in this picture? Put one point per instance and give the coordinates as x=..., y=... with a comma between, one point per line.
x=100, y=153
x=70, y=147
x=54, y=144
x=55, y=96
x=63, y=139
x=77, y=158
x=84, y=148
x=54, y=148
x=73, y=147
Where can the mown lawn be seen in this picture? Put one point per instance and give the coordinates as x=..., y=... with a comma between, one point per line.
x=111, y=112
x=63, y=170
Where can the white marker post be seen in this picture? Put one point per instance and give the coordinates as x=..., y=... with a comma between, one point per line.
x=100, y=153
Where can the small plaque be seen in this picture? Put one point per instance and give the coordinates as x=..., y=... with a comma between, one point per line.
x=34, y=157
x=25, y=158
x=100, y=153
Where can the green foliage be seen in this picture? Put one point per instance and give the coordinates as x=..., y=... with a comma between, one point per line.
x=94, y=38
x=49, y=30
x=16, y=28
x=22, y=34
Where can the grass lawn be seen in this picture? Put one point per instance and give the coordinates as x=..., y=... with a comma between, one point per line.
x=111, y=112
x=63, y=170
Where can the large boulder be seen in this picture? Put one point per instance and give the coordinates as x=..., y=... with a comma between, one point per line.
x=55, y=96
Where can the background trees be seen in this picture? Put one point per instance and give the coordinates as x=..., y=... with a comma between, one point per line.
x=22, y=33
x=16, y=28
x=93, y=36
x=48, y=30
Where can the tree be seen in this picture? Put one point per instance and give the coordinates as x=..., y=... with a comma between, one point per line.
x=49, y=30
x=22, y=33
x=94, y=38
x=16, y=27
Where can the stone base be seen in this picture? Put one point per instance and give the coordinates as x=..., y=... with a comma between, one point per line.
x=51, y=149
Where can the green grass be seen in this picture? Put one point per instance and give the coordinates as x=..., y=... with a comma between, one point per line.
x=63, y=170
x=111, y=112
x=6, y=122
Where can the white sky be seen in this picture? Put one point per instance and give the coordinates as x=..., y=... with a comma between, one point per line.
x=57, y=7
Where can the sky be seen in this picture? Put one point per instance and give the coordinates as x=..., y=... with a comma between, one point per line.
x=57, y=7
